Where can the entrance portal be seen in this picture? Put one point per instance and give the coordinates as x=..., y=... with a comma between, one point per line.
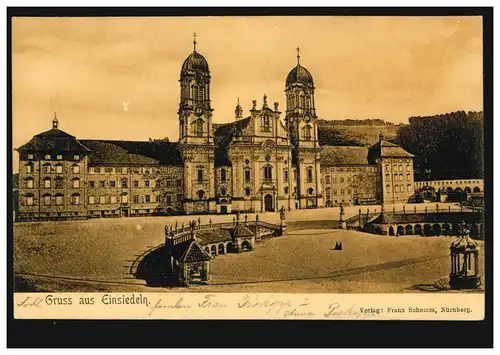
x=268, y=203
x=223, y=209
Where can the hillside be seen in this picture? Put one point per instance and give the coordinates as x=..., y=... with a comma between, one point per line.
x=355, y=132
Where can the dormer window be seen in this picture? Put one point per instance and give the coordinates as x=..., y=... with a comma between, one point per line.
x=59, y=157
x=47, y=157
x=30, y=156
x=76, y=157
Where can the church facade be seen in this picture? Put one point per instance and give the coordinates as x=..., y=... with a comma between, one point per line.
x=265, y=161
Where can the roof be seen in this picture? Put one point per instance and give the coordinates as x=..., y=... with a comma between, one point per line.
x=241, y=231
x=430, y=217
x=54, y=140
x=387, y=149
x=343, y=155
x=223, y=136
x=131, y=152
x=299, y=74
x=195, y=62
x=190, y=252
x=213, y=236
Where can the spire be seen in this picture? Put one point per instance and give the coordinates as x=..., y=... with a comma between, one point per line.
x=298, y=56
x=194, y=42
x=55, y=122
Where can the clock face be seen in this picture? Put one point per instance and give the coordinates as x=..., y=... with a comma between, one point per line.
x=198, y=111
x=307, y=118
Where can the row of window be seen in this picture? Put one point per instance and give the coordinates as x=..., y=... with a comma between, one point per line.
x=397, y=177
x=341, y=179
x=122, y=170
x=399, y=188
x=354, y=169
x=52, y=169
x=302, y=100
x=50, y=157
x=135, y=183
x=48, y=200
x=397, y=167
x=361, y=190
x=58, y=183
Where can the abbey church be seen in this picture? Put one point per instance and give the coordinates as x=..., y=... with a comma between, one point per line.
x=264, y=161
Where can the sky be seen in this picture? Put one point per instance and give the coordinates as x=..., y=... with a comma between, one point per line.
x=118, y=78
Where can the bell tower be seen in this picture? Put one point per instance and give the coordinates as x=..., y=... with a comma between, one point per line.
x=195, y=111
x=302, y=125
x=196, y=138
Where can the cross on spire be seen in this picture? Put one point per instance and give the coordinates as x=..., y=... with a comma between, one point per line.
x=194, y=41
x=298, y=55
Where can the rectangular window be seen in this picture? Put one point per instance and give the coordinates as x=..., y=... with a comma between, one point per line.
x=179, y=197
x=59, y=200
x=179, y=183
x=46, y=200
x=76, y=157
x=76, y=183
x=168, y=184
x=108, y=170
x=247, y=176
x=341, y=191
x=407, y=177
x=136, y=183
x=91, y=200
x=59, y=157
x=30, y=156
x=29, y=169
x=76, y=169
x=29, y=183
x=146, y=183
x=169, y=199
x=91, y=183
x=158, y=183
x=102, y=200
x=59, y=183
x=148, y=198
x=285, y=175
x=124, y=170
x=112, y=199
x=334, y=179
x=102, y=170
x=59, y=169
x=112, y=183
x=46, y=183
x=102, y=183
x=124, y=183
x=92, y=171
x=47, y=157
x=200, y=175
x=76, y=199
x=136, y=199
x=158, y=198
x=29, y=200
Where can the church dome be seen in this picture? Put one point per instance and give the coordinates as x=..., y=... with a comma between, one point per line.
x=299, y=74
x=195, y=62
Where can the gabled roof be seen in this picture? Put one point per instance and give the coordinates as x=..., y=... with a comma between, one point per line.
x=384, y=149
x=213, y=236
x=343, y=155
x=190, y=252
x=131, y=152
x=241, y=231
x=53, y=140
x=223, y=136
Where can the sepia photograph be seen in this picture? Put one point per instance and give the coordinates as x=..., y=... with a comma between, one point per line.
x=244, y=156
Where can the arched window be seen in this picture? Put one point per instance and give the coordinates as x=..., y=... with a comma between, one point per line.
x=266, y=123
x=59, y=168
x=302, y=101
x=309, y=173
x=307, y=133
x=47, y=168
x=75, y=199
x=195, y=92
x=310, y=191
x=407, y=177
x=124, y=183
x=46, y=183
x=388, y=188
x=223, y=175
x=268, y=172
x=387, y=168
x=76, y=183
x=407, y=167
x=247, y=174
x=286, y=190
x=308, y=102
x=201, y=93
x=201, y=194
x=58, y=182
x=46, y=199
x=400, y=168
x=223, y=192
x=247, y=192
x=341, y=179
x=408, y=188
x=327, y=179
x=328, y=193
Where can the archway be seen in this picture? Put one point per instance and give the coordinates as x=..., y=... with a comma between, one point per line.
x=213, y=250
x=449, y=189
x=401, y=230
x=268, y=203
x=437, y=229
x=207, y=249
x=428, y=230
x=246, y=246
x=391, y=230
x=418, y=229
x=458, y=189
x=468, y=190
x=409, y=229
x=456, y=229
x=229, y=247
x=446, y=229
x=476, y=189
x=221, y=249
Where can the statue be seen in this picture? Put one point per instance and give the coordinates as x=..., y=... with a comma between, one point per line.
x=276, y=104
x=282, y=213
x=265, y=100
x=254, y=104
